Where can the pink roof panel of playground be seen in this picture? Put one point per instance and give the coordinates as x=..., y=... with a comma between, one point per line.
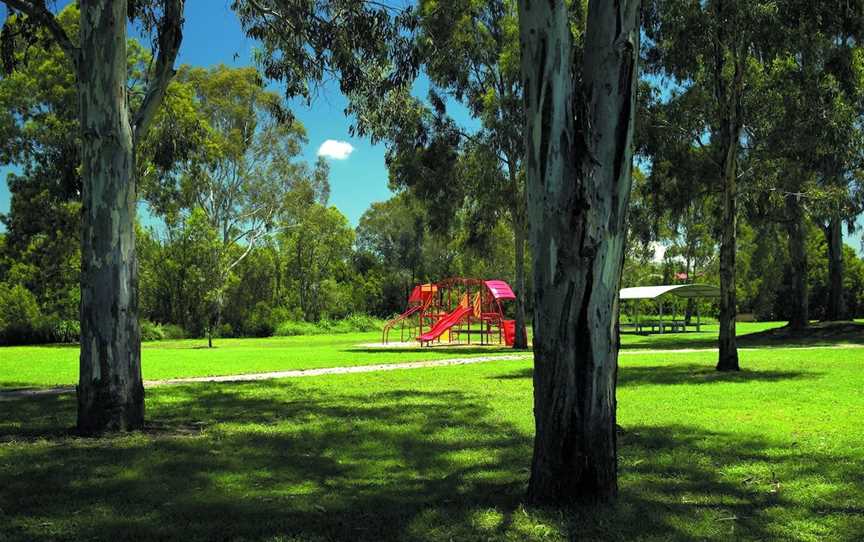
x=500, y=289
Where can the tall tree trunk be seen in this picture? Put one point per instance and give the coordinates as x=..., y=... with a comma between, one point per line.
x=728, y=357
x=110, y=389
x=836, y=300
x=729, y=95
x=800, y=316
x=579, y=166
x=519, y=235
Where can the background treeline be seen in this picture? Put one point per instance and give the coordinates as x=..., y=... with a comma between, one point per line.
x=240, y=239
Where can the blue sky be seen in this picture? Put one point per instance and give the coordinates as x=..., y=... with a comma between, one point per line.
x=212, y=35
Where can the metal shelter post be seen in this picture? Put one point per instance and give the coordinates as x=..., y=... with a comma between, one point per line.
x=698, y=323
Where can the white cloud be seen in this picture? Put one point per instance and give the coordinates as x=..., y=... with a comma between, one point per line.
x=336, y=150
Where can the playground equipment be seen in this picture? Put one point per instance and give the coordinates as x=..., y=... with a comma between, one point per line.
x=456, y=308
x=420, y=298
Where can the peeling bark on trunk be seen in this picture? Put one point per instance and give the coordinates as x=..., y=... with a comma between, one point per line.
x=110, y=388
x=800, y=316
x=579, y=165
x=728, y=93
x=836, y=301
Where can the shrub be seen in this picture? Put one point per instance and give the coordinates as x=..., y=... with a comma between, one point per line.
x=260, y=321
x=290, y=328
x=225, y=330
x=173, y=332
x=54, y=329
x=352, y=324
x=151, y=331
x=19, y=313
x=364, y=322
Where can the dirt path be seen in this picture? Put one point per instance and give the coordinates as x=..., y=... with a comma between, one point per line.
x=253, y=377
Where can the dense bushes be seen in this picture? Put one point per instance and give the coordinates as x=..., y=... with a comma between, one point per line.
x=21, y=321
x=266, y=322
x=158, y=332
x=53, y=329
x=354, y=323
x=19, y=313
x=263, y=320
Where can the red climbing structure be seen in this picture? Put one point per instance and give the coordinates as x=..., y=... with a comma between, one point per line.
x=420, y=298
x=456, y=310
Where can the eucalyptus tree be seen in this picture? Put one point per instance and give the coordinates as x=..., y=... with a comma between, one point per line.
x=831, y=76
x=364, y=45
x=784, y=177
x=39, y=135
x=579, y=114
x=238, y=173
x=316, y=244
x=812, y=89
x=393, y=233
x=708, y=50
x=110, y=388
x=674, y=193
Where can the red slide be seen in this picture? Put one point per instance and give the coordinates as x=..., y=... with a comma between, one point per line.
x=445, y=323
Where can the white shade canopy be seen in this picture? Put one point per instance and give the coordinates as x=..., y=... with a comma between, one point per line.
x=678, y=290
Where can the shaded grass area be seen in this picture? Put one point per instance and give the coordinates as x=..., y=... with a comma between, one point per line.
x=752, y=335
x=58, y=365
x=775, y=452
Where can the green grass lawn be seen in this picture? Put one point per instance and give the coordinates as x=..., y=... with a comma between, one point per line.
x=58, y=365
x=706, y=338
x=775, y=452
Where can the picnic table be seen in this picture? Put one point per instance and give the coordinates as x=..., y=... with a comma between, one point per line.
x=661, y=326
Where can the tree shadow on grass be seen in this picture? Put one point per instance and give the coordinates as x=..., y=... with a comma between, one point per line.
x=818, y=335
x=10, y=386
x=681, y=374
x=275, y=459
x=701, y=484
x=669, y=341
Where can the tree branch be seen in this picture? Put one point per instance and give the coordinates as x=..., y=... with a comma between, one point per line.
x=37, y=11
x=170, y=34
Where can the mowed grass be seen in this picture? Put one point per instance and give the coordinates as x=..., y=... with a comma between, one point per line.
x=58, y=365
x=41, y=366
x=705, y=338
x=773, y=453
